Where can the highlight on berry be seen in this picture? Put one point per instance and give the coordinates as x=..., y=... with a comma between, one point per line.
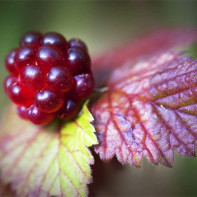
x=49, y=77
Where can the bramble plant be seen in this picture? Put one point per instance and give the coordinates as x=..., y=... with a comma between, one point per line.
x=145, y=106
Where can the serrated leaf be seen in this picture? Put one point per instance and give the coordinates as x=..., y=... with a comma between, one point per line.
x=150, y=111
x=46, y=161
x=145, y=45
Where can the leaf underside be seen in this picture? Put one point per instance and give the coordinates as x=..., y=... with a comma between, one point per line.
x=46, y=161
x=150, y=111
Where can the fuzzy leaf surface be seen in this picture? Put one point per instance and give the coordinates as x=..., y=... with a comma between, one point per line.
x=46, y=161
x=150, y=111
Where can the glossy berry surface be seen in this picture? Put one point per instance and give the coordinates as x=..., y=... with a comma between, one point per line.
x=32, y=39
x=22, y=111
x=78, y=43
x=24, y=56
x=69, y=110
x=10, y=63
x=19, y=94
x=48, y=77
x=39, y=117
x=8, y=81
x=55, y=39
x=78, y=61
x=32, y=77
x=84, y=84
x=60, y=78
x=48, y=101
x=49, y=56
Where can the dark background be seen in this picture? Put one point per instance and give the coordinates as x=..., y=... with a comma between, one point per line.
x=103, y=25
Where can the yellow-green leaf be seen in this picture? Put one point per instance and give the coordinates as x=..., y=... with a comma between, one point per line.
x=46, y=161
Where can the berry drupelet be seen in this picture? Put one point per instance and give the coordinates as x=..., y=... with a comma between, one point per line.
x=49, y=76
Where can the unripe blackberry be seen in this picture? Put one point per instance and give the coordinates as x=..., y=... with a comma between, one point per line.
x=48, y=77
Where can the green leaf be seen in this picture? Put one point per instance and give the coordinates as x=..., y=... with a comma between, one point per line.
x=47, y=161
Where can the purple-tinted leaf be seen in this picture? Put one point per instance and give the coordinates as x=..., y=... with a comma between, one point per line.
x=150, y=111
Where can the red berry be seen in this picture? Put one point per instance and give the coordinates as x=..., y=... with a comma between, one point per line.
x=48, y=77
x=19, y=94
x=78, y=61
x=55, y=39
x=84, y=84
x=8, y=81
x=22, y=112
x=32, y=39
x=24, y=56
x=49, y=56
x=69, y=110
x=48, y=101
x=60, y=79
x=78, y=43
x=39, y=117
x=10, y=62
x=32, y=77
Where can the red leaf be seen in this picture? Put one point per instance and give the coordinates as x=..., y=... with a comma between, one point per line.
x=143, y=46
x=150, y=110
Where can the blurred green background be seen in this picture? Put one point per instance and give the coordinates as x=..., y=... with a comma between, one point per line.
x=104, y=24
